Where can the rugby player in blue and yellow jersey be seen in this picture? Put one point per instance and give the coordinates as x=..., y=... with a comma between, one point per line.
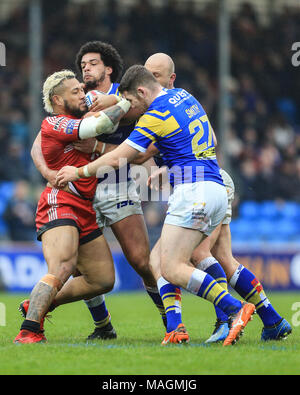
x=179, y=126
x=214, y=251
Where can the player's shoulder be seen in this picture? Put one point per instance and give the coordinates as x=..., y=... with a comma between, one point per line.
x=54, y=121
x=170, y=99
x=114, y=89
x=159, y=108
x=58, y=123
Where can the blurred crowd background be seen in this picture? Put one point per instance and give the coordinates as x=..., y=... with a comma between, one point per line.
x=264, y=137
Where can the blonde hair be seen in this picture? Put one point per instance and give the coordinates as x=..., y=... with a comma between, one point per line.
x=51, y=83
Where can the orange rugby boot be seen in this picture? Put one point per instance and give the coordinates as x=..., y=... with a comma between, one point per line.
x=23, y=308
x=238, y=323
x=27, y=337
x=178, y=336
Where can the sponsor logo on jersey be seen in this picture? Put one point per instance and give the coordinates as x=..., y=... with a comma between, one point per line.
x=70, y=126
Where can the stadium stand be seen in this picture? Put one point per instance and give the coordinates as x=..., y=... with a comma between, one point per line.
x=264, y=143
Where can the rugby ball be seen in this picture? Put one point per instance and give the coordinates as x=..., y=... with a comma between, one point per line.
x=90, y=96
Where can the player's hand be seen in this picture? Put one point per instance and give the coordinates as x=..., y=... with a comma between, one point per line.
x=51, y=178
x=66, y=174
x=87, y=146
x=158, y=179
x=103, y=101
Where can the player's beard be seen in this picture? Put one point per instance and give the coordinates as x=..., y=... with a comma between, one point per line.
x=75, y=112
x=94, y=83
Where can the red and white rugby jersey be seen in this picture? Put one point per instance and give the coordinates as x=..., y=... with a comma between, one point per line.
x=58, y=132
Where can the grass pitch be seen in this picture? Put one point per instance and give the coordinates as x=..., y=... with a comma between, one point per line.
x=137, y=351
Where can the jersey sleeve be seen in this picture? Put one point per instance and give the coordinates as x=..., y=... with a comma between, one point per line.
x=151, y=127
x=146, y=131
x=62, y=128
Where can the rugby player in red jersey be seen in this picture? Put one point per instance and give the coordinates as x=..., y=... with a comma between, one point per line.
x=65, y=219
x=101, y=67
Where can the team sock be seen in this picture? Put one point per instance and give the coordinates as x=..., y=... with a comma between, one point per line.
x=247, y=285
x=171, y=298
x=154, y=294
x=31, y=326
x=212, y=267
x=203, y=285
x=98, y=311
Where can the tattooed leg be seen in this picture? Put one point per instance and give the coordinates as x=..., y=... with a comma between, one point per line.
x=42, y=296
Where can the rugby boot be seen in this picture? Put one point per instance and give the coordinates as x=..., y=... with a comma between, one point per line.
x=238, y=322
x=27, y=337
x=23, y=308
x=106, y=333
x=220, y=332
x=279, y=331
x=178, y=336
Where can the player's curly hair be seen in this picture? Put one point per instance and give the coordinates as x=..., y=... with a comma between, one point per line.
x=51, y=84
x=109, y=55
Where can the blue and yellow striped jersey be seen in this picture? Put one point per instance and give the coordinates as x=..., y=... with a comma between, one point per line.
x=180, y=129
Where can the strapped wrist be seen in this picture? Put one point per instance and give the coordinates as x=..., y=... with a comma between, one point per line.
x=95, y=146
x=103, y=148
x=124, y=104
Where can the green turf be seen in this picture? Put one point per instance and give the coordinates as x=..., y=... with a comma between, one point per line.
x=137, y=349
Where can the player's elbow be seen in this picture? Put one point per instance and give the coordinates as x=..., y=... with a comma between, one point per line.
x=140, y=159
x=34, y=156
x=116, y=162
x=32, y=152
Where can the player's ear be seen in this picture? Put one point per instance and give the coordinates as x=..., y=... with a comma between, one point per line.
x=141, y=92
x=109, y=70
x=57, y=100
x=172, y=78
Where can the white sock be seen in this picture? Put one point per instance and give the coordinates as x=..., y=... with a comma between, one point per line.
x=206, y=263
x=196, y=281
x=94, y=302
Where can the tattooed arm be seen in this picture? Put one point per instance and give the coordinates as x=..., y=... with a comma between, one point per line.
x=104, y=122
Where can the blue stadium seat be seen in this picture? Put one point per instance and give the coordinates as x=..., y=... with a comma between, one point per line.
x=249, y=209
x=242, y=230
x=3, y=228
x=3, y=204
x=287, y=229
x=268, y=209
x=264, y=229
x=7, y=190
x=290, y=210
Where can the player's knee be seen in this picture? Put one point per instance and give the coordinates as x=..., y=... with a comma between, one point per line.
x=139, y=260
x=67, y=269
x=170, y=276
x=63, y=269
x=154, y=264
x=108, y=283
x=102, y=284
x=170, y=273
x=106, y=287
x=198, y=256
